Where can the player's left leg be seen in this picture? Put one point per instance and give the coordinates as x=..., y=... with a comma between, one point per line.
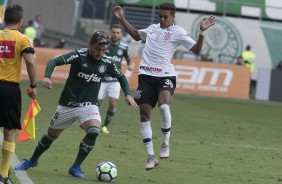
x=164, y=99
x=90, y=121
x=113, y=93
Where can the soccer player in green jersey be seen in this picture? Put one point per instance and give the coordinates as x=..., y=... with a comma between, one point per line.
x=110, y=86
x=78, y=100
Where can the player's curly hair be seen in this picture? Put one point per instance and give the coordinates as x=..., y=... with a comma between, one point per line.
x=168, y=6
x=100, y=37
x=13, y=14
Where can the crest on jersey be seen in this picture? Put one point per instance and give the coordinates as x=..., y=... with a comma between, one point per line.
x=102, y=68
x=137, y=94
x=119, y=52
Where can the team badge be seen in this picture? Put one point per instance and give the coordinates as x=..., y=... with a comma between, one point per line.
x=102, y=68
x=137, y=94
x=119, y=52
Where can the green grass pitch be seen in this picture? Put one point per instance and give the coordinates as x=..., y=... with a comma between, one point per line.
x=213, y=141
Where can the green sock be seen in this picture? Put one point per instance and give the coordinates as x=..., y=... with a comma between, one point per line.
x=109, y=118
x=86, y=145
x=44, y=143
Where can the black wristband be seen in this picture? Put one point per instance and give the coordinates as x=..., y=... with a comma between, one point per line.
x=33, y=86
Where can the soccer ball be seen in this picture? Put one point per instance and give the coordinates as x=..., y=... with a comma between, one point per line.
x=106, y=171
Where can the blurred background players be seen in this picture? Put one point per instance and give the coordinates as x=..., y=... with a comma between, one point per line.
x=248, y=58
x=110, y=86
x=30, y=31
x=14, y=46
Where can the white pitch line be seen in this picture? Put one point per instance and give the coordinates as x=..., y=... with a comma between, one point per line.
x=21, y=175
x=245, y=146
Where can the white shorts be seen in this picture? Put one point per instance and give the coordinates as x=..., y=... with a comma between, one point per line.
x=110, y=89
x=65, y=116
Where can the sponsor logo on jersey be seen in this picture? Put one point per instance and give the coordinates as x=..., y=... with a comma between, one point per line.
x=150, y=68
x=116, y=59
x=93, y=77
x=102, y=68
x=84, y=65
x=7, y=49
x=72, y=57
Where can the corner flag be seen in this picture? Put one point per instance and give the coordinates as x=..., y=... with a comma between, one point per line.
x=28, y=125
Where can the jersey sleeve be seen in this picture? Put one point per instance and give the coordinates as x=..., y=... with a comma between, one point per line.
x=143, y=33
x=185, y=40
x=64, y=59
x=126, y=52
x=25, y=43
x=114, y=71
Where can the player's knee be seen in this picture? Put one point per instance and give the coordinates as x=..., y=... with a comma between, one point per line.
x=164, y=107
x=93, y=130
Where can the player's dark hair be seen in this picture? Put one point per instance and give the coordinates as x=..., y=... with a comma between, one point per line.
x=116, y=26
x=168, y=6
x=100, y=37
x=13, y=14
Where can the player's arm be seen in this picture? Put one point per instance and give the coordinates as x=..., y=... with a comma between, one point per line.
x=128, y=59
x=28, y=55
x=204, y=25
x=115, y=72
x=57, y=61
x=118, y=12
x=125, y=87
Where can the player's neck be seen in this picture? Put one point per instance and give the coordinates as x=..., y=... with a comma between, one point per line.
x=115, y=43
x=11, y=26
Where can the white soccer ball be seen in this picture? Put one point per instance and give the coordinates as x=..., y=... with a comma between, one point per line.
x=106, y=171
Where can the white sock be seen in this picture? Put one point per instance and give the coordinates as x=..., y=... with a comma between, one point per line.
x=166, y=122
x=146, y=133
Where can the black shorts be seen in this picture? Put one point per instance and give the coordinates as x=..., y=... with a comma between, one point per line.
x=149, y=88
x=10, y=105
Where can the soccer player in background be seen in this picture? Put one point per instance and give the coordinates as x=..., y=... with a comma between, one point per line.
x=14, y=46
x=157, y=78
x=79, y=99
x=110, y=86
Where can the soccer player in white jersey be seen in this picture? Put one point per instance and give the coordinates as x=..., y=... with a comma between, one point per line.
x=156, y=78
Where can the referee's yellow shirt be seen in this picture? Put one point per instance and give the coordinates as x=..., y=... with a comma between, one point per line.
x=12, y=43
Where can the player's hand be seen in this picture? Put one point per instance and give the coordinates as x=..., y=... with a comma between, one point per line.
x=130, y=101
x=118, y=12
x=31, y=92
x=207, y=22
x=47, y=83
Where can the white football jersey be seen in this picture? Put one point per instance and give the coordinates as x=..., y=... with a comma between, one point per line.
x=160, y=47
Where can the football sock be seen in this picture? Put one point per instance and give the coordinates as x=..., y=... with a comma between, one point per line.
x=87, y=144
x=166, y=122
x=109, y=117
x=8, y=149
x=44, y=143
x=146, y=133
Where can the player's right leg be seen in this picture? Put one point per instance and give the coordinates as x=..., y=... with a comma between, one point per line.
x=62, y=119
x=43, y=145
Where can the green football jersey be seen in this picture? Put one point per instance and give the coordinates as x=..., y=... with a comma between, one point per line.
x=85, y=76
x=117, y=52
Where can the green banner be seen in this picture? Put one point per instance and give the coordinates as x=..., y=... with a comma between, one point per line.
x=142, y=2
